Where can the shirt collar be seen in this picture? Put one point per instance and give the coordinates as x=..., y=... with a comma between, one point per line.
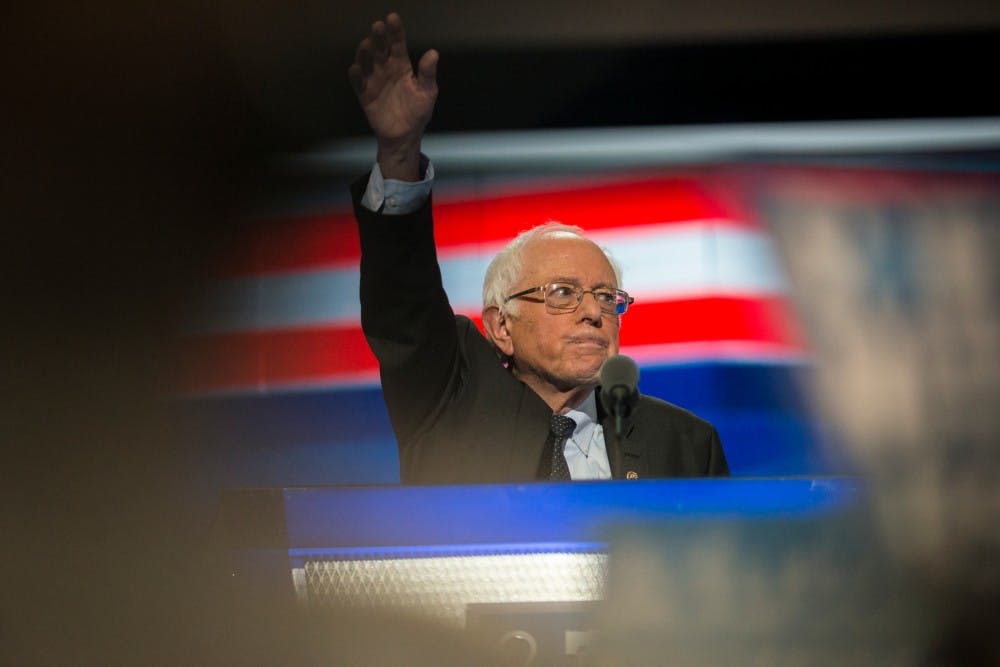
x=587, y=409
x=585, y=416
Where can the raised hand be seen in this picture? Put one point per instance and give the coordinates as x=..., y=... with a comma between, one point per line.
x=397, y=101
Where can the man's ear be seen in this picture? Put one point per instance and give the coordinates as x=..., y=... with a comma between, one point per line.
x=495, y=324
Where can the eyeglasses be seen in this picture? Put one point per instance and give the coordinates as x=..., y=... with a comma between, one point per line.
x=565, y=297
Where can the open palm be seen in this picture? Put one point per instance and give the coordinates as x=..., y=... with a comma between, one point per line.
x=397, y=101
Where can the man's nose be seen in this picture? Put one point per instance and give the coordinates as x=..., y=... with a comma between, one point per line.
x=589, y=308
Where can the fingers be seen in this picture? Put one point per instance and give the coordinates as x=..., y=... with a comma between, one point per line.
x=380, y=46
x=427, y=70
x=384, y=39
x=365, y=56
x=395, y=36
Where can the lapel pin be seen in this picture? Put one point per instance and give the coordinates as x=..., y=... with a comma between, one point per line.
x=631, y=474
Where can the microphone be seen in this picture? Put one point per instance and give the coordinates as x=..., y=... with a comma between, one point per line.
x=619, y=388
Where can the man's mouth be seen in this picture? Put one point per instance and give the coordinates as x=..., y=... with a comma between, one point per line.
x=591, y=341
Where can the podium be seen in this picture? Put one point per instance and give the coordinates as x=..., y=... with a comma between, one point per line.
x=462, y=554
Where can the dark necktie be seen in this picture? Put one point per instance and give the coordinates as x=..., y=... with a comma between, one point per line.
x=560, y=428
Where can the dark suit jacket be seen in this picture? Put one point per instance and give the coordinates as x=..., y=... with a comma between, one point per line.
x=458, y=414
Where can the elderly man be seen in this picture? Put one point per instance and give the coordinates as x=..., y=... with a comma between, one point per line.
x=521, y=405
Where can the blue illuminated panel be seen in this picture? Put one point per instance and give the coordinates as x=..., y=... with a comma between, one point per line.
x=580, y=512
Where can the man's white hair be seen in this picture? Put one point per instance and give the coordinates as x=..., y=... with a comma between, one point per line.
x=505, y=270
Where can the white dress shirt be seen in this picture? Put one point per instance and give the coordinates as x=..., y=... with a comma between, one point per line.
x=585, y=452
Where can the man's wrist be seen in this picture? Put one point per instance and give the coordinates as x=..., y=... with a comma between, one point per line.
x=401, y=162
x=396, y=197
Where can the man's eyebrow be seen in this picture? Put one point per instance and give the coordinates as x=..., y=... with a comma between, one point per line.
x=564, y=279
x=575, y=281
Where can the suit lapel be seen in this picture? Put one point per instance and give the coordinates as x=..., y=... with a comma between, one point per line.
x=531, y=427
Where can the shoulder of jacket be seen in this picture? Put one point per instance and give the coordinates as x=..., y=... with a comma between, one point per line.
x=654, y=407
x=473, y=342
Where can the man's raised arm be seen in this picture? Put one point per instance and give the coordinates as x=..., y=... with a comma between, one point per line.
x=405, y=313
x=397, y=101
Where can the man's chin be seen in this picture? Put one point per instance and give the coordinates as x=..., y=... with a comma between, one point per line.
x=589, y=373
x=593, y=359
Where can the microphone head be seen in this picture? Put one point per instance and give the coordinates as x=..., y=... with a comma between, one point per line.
x=619, y=385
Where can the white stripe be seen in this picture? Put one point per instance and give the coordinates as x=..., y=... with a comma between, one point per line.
x=730, y=351
x=278, y=301
x=636, y=146
x=659, y=262
x=674, y=261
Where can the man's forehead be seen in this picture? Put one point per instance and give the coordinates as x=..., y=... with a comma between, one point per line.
x=563, y=257
x=569, y=249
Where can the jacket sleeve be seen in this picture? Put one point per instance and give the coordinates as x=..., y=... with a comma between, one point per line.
x=405, y=315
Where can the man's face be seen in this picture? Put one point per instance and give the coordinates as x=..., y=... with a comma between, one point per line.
x=564, y=350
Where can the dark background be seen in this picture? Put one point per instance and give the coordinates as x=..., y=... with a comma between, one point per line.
x=133, y=134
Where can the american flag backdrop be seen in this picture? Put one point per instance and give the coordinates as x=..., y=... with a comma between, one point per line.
x=278, y=370
x=280, y=387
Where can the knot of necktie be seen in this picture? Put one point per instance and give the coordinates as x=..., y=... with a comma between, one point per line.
x=561, y=426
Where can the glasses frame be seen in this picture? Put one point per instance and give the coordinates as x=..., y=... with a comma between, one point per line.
x=625, y=302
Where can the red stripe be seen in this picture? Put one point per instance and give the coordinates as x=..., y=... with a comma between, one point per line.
x=294, y=243
x=607, y=206
x=331, y=239
x=260, y=359
x=765, y=320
